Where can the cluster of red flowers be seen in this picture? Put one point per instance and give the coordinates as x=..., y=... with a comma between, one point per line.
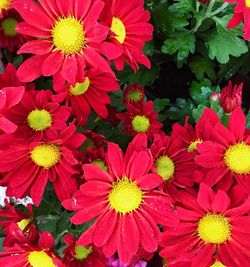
x=184, y=195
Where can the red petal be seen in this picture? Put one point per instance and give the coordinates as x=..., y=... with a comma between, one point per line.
x=237, y=124
x=69, y=69
x=52, y=64
x=221, y=202
x=93, y=172
x=205, y=197
x=149, y=181
x=37, y=47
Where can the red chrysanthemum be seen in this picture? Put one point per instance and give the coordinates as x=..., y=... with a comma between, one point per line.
x=123, y=201
x=228, y=152
x=173, y=163
x=9, y=97
x=80, y=256
x=68, y=38
x=129, y=30
x=91, y=93
x=38, y=117
x=202, y=131
x=9, y=38
x=140, y=118
x=241, y=13
x=133, y=94
x=26, y=255
x=209, y=225
x=34, y=164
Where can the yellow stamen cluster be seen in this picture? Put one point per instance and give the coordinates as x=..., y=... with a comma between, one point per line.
x=40, y=259
x=82, y=252
x=80, y=88
x=193, y=145
x=118, y=28
x=140, y=123
x=39, y=119
x=165, y=167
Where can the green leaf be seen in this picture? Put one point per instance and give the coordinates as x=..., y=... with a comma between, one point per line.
x=202, y=67
x=182, y=42
x=223, y=43
x=201, y=92
x=160, y=104
x=197, y=112
x=182, y=6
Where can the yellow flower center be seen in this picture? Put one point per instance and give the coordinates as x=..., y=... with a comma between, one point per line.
x=140, y=123
x=214, y=228
x=81, y=252
x=193, y=145
x=247, y=3
x=4, y=4
x=68, y=35
x=218, y=264
x=125, y=196
x=9, y=27
x=165, y=167
x=118, y=28
x=46, y=156
x=237, y=158
x=39, y=120
x=40, y=259
x=23, y=223
x=80, y=88
x=134, y=96
x=100, y=163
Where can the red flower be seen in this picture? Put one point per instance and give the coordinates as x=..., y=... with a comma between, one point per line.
x=80, y=256
x=190, y=136
x=26, y=255
x=36, y=163
x=228, y=152
x=38, y=117
x=209, y=225
x=9, y=38
x=129, y=30
x=241, y=13
x=140, y=119
x=231, y=97
x=123, y=201
x=91, y=93
x=68, y=38
x=9, y=97
x=133, y=94
x=173, y=163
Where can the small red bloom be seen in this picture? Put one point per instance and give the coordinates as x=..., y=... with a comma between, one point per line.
x=140, y=118
x=9, y=97
x=123, y=201
x=129, y=30
x=38, y=117
x=91, y=93
x=34, y=164
x=68, y=38
x=79, y=256
x=26, y=255
x=133, y=94
x=231, y=97
x=227, y=154
x=209, y=225
x=241, y=13
x=9, y=38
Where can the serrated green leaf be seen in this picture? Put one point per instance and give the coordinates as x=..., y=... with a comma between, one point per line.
x=223, y=43
x=182, y=6
x=182, y=42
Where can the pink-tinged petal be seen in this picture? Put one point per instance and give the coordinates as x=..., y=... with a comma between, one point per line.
x=37, y=47
x=87, y=237
x=63, y=7
x=110, y=50
x=93, y=15
x=235, y=20
x=27, y=29
x=240, y=210
x=149, y=181
x=89, y=213
x=13, y=95
x=93, y=172
x=221, y=202
x=33, y=14
x=225, y=257
x=213, y=176
x=31, y=68
x=82, y=8
x=46, y=240
x=7, y=126
x=96, y=188
x=140, y=165
x=148, y=239
x=209, y=159
x=69, y=69
x=128, y=243
x=204, y=256
x=115, y=160
x=52, y=64
x=38, y=187
x=236, y=251
x=241, y=224
x=237, y=124
x=105, y=227
x=188, y=215
x=205, y=197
